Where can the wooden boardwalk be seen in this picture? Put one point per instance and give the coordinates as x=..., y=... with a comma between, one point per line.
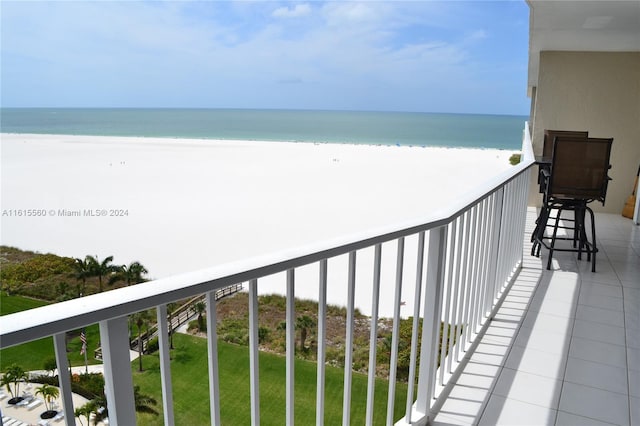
x=177, y=318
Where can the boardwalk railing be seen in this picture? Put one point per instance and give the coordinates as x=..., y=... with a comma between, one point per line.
x=176, y=318
x=463, y=259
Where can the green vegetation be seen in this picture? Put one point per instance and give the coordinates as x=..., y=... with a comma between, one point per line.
x=29, y=280
x=189, y=358
x=191, y=391
x=515, y=159
x=49, y=394
x=56, y=278
x=11, y=378
x=35, y=355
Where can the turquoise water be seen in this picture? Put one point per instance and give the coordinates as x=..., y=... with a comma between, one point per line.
x=386, y=128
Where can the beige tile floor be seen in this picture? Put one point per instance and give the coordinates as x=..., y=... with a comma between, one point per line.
x=564, y=349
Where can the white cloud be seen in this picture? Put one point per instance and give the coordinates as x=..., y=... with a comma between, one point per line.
x=212, y=53
x=297, y=11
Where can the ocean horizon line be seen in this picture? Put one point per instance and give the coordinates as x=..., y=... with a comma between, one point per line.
x=160, y=108
x=313, y=126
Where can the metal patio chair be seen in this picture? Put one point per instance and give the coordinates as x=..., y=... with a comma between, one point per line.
x=544, y=164
x=578, y=176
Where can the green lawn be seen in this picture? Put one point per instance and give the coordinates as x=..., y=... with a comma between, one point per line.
x=191, y=391
x=32, y=355
x=190, y=380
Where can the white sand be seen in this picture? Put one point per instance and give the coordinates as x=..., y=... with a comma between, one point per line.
x=193, y=204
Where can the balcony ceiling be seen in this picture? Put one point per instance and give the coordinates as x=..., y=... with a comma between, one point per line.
x=602, y=25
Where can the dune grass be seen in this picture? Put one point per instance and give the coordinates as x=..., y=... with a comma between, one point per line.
x=191, y=391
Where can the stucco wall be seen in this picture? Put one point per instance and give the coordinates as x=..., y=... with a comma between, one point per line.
x=598, y=92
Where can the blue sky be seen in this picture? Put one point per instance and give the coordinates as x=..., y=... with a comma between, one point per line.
x=429, y=56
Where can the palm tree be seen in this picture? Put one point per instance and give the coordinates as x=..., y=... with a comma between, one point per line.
x=141, y=319
x=82, y=269
x=304, y=323
x=85, y=410
x=49, y=393
x=133, y=274
x=200, y=309
x=14, y=374
x=101, y=269
x=170, y=308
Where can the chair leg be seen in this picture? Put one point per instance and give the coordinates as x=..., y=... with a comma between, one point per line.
x=538, y=232
x=553, y=238
x=578, y=231
x=594, y=249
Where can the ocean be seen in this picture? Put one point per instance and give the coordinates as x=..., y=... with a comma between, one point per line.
x=350, y=127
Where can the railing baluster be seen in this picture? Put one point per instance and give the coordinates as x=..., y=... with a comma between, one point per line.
x=212, y=348
x=373, y=335
x=453, y=325
x=118, y=381
x=254, y=345
x=480, y=278
x=494, y=261
x=486, y=243
x=393, y=367
x=348, y=349
x=165, y=365
x=417, y=296
x=62, y=363
x=462, y=240
x=505, y=248
x=466, y=279
x=291, y=346
x=447, y=305
x=322, y=342
x=475, y=266
x=431, y=319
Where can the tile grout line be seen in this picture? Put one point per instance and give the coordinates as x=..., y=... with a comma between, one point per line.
x=566, y=364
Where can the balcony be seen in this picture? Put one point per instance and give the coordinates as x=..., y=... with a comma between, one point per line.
x=515, y=337
x=564, y=348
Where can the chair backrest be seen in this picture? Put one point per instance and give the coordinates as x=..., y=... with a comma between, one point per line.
x=579, y=168
x=550, y=135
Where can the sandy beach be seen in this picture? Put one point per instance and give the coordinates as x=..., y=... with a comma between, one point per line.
x=181, y=205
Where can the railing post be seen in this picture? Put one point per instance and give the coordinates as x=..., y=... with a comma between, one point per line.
x=393, y=368
x=165, y=367
x=322, y=341
x=62, y=362
x=291, y=347
x=212, y=349
x=494, y=261
x=254, y=343
x=117, y=371
x=373, y=334
x=348, y=347
x=417, y=294
x=431, y=322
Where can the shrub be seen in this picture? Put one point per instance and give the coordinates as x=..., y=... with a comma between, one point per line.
x=515, y=159
x=263, y=334
x=153, y=345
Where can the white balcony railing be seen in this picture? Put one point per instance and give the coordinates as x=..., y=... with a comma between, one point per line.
x=467, y=256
